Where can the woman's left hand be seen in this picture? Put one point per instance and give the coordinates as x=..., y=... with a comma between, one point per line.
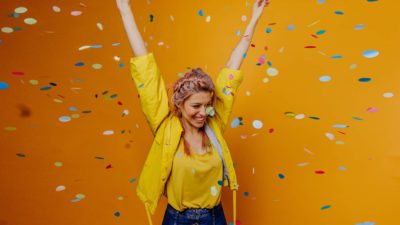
x=258, y=8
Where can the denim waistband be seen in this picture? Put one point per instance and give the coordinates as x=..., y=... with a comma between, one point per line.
x=201, y=212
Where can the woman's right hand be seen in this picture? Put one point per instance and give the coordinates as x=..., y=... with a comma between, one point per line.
x=123, y=4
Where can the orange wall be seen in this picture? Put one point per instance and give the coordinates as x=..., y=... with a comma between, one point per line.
x=361, y=178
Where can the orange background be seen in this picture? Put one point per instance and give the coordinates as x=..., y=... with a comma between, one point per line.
x=361, y=166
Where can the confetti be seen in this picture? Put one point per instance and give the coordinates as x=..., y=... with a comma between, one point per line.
x=291, y=27
x=30, y=21
x=386, y=95
x=364, y=79
x=257, y=124
x=236, y=122
x=64, y=119
x=76, y=13
x=370, y=54
x=325, y=78
x=272, y=71
x=325, y=207
x=7, y=30
x=3, y=85
x=60, y=188
x=108, y=132
x=20, y=10
x=56, y=9
x=201, y=12
x=214, y=191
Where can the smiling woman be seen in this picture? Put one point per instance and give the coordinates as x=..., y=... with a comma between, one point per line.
x=191, y=182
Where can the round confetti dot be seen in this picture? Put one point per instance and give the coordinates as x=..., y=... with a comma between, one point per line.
x=330, y=136
x=353, y=66
x=80, y=196
x=214, y=191
x=265, y=80
x=76, y=13
x=246, y=194
x=3, y=85
x=33, y=82
x=372, y=109
x=272, y=71
x=370, y=54
x=60, y=188
x=291, y=27
x=208, y=19
x=248, y=93
x=97, y=66
x=342, y=168
x=244, y=18
x=21, y=10
x=120, y=198
x=108, y=132
x=359, y=27
x=325, y=78
x=56, y=8
x=388, y=95
x=58, y=164
x=257, y=124
x=201, y=12
x=7, y=30
x=30, y=21
x=268, y=30
x=299, y=116
x=73, y=109
x=64, y=119
x=281, y=176
x=117, y=58
x=117, y=214
x=100, y=26
x=236, y=122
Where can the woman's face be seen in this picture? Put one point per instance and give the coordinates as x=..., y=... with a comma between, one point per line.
x=194, y=108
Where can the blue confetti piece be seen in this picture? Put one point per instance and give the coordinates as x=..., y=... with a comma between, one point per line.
x=236, y=122
x=364, y=79
x=201, y=12
x=244, y=55
x=121, y=65
x=269, y=63
x=370, y=53
x=268, y=30
x=342, y=168
x=96, y=46
x=359, y=26
x=325, y=207
x=246, y=194
x=325, y=78
x=151, y=18
x=140, y=85
x=73, y=109
x=3, y=85
x=117, y=214
x=281, y=176
x=339, y=13
x=321, y=2
x=80, y=64
x=321, y=32
x=291, y=27
x=132, y=180
x=237, y=33
x=17, y=28
x=366, y=223
x=372, y=0
x=220, y=182
x=45, y=88
x=357, y=118
x=336, y=57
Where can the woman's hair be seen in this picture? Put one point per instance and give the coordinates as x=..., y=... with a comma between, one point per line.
x=193, y=81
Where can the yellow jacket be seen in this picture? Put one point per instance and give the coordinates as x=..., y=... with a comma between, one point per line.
x=166, y=128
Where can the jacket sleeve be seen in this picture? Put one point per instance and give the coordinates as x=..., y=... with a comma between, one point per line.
x=226, y=87
x=151, y=88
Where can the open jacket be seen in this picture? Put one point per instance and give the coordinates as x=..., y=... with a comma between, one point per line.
x=167, y=129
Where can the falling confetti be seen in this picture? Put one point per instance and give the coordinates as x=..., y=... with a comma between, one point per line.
x=370, y=54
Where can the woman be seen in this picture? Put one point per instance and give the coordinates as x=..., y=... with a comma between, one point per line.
x=189, y=160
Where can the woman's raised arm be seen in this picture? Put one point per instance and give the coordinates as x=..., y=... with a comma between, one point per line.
x=236, y=58
x=135, y=39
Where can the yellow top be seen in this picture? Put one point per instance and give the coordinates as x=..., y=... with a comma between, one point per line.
x=196, y=180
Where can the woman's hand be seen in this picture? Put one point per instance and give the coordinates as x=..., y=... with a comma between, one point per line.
x=258, y=8
x=123, y=4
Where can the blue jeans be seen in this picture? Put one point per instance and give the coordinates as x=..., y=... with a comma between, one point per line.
x=214, y=216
